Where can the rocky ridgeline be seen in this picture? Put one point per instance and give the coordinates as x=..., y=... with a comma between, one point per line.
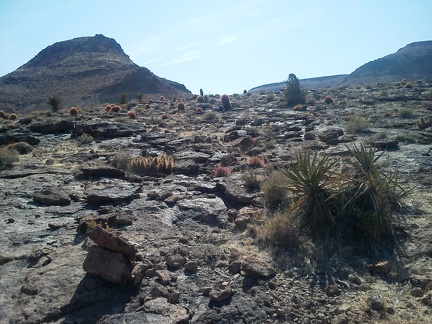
x=85, y=240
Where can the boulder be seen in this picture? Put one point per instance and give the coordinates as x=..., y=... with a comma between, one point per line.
x=112, y=241
x=111, y=266
x=257, y=269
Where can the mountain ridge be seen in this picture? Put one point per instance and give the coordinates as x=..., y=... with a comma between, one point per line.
x=410, y=62
x=82, y=71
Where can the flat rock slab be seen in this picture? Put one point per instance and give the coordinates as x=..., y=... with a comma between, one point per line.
x=112, y=241
x=106, y=191
x=52, y=197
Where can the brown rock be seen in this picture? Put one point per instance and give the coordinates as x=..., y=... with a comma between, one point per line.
x=191, y=266
x=111, y=266
x=112, y=241
x=175, y=261
x=220, y=293
x=257, y=268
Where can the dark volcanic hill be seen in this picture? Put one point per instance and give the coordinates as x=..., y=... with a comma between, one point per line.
x=310, y=83
x=412, y=62
x=82, y=71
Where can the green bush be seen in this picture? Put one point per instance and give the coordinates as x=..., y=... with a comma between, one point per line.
x=293, y=93
x=54, y=102
x=406, y=113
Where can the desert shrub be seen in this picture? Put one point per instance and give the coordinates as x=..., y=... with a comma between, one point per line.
x=54, y=102
x=123, y=98
x=85, y=139
x=251, y=180
x=181, y=105
x=275, y=192
x=423, y=123
x=270, y=97
x=406, y=113
x=384, y=92
x=139, y=97
x=8, y=157
x=356, y=124
x=256, y=162
x=407, y=139
x=221, y=171
x=211, y=116
x=328, y=100
x=293, y=93
x=3, y=114
x=121, y=161
x=73, y=111
x=226, y=104
x=20, y=147
x=13, y=116
x=280, y=230
x=131, y=114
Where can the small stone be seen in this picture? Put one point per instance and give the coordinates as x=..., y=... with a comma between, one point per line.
x=164, y=276
x=220, y=293
x=191, y=266
x=332, y=291
x=175, y=261
x=416, y=292
x=375, y=304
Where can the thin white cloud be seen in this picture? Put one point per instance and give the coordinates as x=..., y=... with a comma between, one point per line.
x=188, y=56
x=154, y=59
x=226, y=40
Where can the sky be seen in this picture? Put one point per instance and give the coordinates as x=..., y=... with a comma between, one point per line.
x=223, y=46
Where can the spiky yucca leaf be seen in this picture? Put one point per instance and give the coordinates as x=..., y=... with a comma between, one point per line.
x=311, y=180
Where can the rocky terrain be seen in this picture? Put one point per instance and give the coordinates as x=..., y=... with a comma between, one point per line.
x=81, y=71
x=84, y=241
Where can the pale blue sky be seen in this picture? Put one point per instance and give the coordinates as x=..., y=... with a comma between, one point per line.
x=222, y=46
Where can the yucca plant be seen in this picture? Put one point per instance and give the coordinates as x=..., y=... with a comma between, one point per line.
x=370, y=201
x=311, y=181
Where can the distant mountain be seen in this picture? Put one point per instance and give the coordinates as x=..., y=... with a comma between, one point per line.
x=412, y=62
x=310, y=83
x=82, y=71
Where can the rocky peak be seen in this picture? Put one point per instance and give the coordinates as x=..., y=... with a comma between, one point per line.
x=83, y=71
x=78, y=50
